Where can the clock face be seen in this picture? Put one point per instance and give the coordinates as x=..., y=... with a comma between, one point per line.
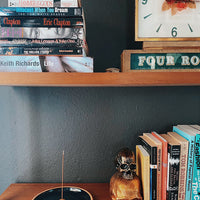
x=167, y=20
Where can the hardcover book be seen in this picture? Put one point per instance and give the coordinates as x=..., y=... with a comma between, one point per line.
x=183, y=163
x=152, y=151
x=196, y=166
x=173, y=167
x=158, y=144
x=142, y=170
x=164, y=164
x=191, y=139
x=45, y=64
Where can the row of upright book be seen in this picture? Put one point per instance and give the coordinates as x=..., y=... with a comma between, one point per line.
x=35, y=39
x=169, y=164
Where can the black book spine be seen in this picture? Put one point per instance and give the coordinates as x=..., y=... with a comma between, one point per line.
x=41, y=11
x=173, y=171
x=153, y=166
x=51, y=22
x=40, y=51
x=69, y=43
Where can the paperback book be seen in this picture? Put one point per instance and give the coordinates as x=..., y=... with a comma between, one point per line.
x=41, y=51
x=142, y=170
x=50, y=22
x=183, y=163
x=45, y=64
x=152, y=151
x=69, y=43
x=164, y=164
x=41, y=33
x=173, y=167
x=191, y=139
x=43, y=3
x=158, y=144
x=195, y=194
x=41, y=11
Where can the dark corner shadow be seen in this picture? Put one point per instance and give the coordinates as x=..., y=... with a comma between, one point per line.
x=131, y=43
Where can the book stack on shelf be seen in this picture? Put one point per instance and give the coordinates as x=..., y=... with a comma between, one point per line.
x=169, y=164
x=43, y=39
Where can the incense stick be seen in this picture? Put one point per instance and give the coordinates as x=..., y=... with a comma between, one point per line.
x=62, y=176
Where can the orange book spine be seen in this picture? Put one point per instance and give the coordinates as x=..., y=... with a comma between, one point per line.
x=164, y=166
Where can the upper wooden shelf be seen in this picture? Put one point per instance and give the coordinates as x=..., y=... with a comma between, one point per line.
x=190, y=78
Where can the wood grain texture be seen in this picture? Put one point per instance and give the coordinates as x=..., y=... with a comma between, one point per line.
x=27, y=191
x=171, y=44
x=137, y=78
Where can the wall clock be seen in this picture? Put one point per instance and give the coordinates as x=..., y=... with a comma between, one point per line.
x=167, y=20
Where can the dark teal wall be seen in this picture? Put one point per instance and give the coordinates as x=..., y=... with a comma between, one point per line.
x=90, y=124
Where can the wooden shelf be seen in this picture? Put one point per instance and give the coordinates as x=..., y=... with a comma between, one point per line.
x=190, y=78
x=27, y=191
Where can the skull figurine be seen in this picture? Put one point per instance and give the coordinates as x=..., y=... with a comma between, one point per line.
x=125, y=184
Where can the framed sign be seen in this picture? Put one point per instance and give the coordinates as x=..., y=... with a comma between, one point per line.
x=132, y=60
x=167, y=20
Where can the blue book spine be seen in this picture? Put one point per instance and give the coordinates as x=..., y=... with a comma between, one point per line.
x=191, y=140
x=196, y=170
x=44, y=11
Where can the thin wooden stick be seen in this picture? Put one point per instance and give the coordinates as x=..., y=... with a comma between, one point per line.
x=62, y=176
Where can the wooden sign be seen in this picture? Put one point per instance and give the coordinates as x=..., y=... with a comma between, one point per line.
x=156, y=59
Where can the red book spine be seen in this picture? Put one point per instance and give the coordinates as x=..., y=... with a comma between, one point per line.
x=164, y=165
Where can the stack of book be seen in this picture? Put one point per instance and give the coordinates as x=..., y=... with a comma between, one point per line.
x=48, y=39
x=169, y=164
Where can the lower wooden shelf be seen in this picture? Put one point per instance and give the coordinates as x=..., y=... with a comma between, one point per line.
x=151, y=78
x=26, y=191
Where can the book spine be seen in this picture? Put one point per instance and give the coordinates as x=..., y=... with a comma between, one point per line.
x=164, y=165
x=50, y=22
x=164, y=172
x=196, y=170
x=20, y=64
x=159, y=171
x=41, y=63
x=70, y=43
x=183, y=171
x=191, y=140
x=40, y=51
x=173, y=171
x=70, y=3
x=153, y=167
x=42, y=3
x=41, y=11
x=30, y=3
x=147, y=172
x=41, y=33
